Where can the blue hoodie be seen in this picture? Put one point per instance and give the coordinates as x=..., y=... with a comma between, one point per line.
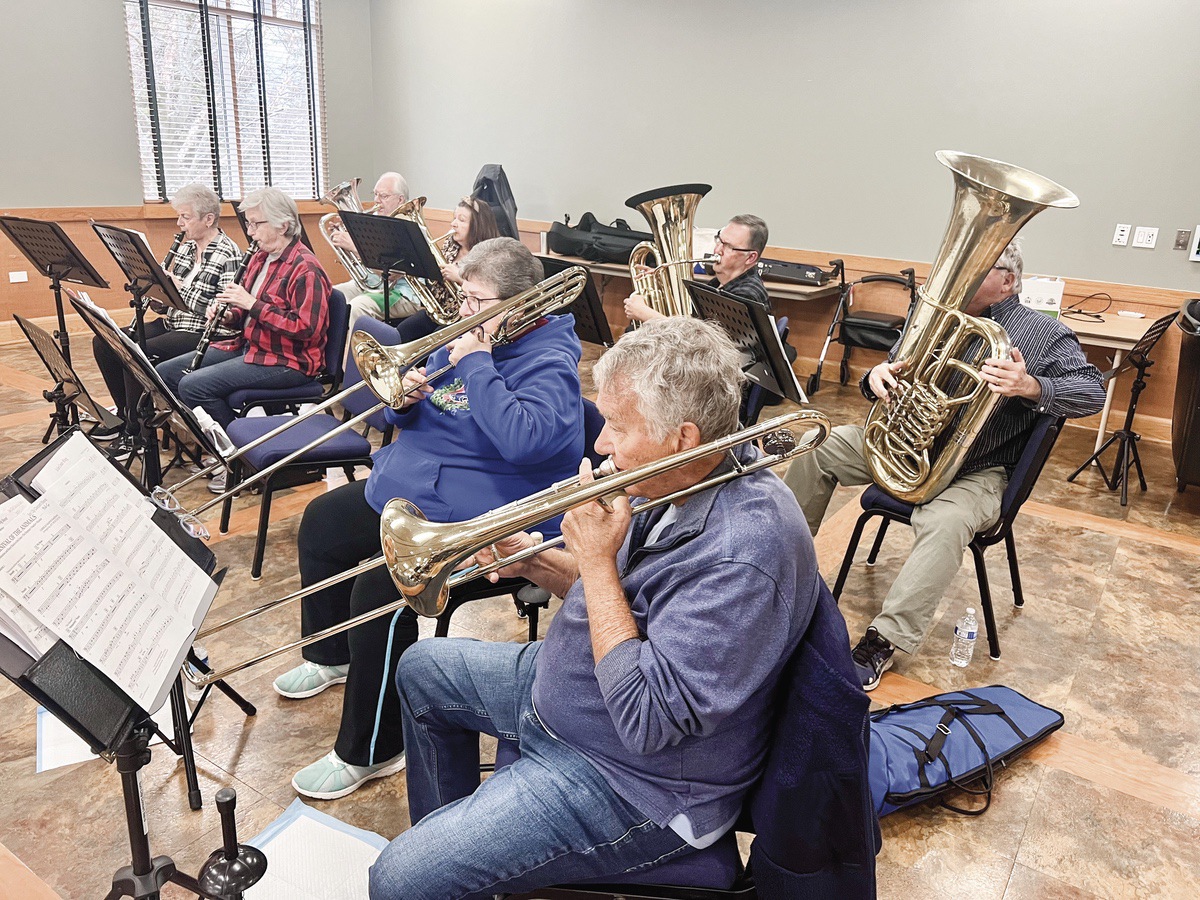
x=497, y=428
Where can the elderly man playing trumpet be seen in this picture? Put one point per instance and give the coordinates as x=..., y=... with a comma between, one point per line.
x=644, y=716
x=504, y=420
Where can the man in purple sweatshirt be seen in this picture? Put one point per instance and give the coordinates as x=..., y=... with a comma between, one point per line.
x=643, y=717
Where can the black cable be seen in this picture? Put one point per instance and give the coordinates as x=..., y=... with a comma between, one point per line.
x=1073, y=311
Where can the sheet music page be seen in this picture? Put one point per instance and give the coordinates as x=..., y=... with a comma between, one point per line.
x=19, y=626
x=77, y=461
x=135, y=626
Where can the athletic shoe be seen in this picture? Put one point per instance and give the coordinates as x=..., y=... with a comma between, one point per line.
x=217, y=484
x=107, y=434
x=329, y=778
x=309, y=679
x=872, y=657
x=123, y=448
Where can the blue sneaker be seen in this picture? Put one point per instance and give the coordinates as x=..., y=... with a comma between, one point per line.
x=329, y=778
x=309, y=679
x=872, y=657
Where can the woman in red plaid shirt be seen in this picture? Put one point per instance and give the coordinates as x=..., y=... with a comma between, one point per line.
x=281, y=308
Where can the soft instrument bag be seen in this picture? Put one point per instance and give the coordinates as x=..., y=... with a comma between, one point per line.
x=592, y=240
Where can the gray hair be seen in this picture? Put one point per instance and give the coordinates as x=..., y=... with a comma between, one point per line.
x=201, y=198
x=1013, y=260
x=680, y=370
x=758, y=231
x=277, y=208
x=399, y=185
x=504, y=263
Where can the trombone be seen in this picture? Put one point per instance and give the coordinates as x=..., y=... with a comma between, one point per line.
x=426, y=559
x=383, y=370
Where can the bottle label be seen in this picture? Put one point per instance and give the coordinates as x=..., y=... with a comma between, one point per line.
x=968, y=634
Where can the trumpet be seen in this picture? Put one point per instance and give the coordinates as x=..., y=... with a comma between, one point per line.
x=422, y=556
x=383, y=368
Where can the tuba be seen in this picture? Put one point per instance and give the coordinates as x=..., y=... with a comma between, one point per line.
x=345, y=197
x=916, y=443
x=670, y=211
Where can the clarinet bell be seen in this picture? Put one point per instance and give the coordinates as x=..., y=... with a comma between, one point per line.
x=234, y=868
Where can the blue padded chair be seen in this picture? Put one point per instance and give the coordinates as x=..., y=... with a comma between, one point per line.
x=528, y=598
x=324, y=385
x=875, y=502
x=345, y=450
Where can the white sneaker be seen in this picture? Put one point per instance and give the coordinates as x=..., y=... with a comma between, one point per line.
x=309, y=679
x=329, y=777
x=217, y=484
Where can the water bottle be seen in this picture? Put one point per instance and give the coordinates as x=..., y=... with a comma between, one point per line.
x=191, y=691
x=964, y=639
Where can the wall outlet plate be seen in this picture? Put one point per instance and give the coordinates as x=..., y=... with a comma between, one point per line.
x=1145, y=237
x=1183, y=239
x=1121, y=235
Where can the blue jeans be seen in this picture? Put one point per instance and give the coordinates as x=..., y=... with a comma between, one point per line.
x=549, y=818
x=222, y=373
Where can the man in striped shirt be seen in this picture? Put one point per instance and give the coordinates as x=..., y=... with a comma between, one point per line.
x=1048, y=373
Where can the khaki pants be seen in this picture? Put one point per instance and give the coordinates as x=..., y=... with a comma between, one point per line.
x=943, y=528
x=367, y=305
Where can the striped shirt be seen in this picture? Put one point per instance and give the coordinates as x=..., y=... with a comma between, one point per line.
x=217, y=268
x=289, y=321
x=1071, y=386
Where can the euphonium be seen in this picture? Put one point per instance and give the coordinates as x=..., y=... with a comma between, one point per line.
x=670, y=211
x=916, y=443
x=345, y=197
x=440, y=299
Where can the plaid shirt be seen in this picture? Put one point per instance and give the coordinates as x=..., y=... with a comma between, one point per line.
x=217, y=268
x=289, y=321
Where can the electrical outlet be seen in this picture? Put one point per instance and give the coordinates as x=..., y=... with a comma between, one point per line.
x=1146, y=237
x=17, y=277
x=1121, y=236
x=1183, y=239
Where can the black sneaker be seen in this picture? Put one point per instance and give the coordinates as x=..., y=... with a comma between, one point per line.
x=123, y=448
x=872, y=657
x=107, y=434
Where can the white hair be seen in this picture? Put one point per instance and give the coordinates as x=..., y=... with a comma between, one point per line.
x=201, y=198
x=1013, y=260
x=680, y=370
x=277, y=208
x=399, y=185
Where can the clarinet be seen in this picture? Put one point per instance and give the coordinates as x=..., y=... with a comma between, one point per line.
x=219, y=313
x=169, y=259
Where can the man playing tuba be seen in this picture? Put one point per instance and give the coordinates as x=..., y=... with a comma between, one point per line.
x=1048, y=373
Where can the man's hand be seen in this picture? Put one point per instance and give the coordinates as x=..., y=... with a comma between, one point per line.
x=341, y=239
x=506, y=548
x=882, y=379
x=416, y=388
x=236, y=296
x=1008, y=378
x=638, y=310
x=474, y=341
x=595, y=531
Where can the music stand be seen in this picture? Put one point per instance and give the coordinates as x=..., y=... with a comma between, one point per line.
x=590, y=322
x=391, y=245
x=55, y=256
x=145, y=278
x=241, y=217
x=1125, y=437
x=158, y=406
x=68, y=389
x=753, y=330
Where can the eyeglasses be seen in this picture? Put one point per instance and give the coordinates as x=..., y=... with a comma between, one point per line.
x=477, y=302
x=384, y=195
x=251, y=224
x=721, y=242
x=164, y=499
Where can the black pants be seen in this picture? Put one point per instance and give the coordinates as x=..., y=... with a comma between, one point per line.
x=126, y=392
x=339, y=530
x=416, y=326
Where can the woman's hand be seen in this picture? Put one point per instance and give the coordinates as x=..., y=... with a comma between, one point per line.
x=416, y=388
x=451, y=274
x=474, y=341
x=236, y=296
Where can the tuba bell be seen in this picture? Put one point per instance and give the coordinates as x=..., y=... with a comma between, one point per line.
x=345, y=197
x=670, y=211
x=916, y=443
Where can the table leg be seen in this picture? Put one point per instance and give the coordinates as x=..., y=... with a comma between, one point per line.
x=1108, y=397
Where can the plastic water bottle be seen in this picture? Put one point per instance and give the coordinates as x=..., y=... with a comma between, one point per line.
x=964, y=639
x=191, y=691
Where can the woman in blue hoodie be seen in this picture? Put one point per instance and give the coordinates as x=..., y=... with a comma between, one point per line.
x=504, y=422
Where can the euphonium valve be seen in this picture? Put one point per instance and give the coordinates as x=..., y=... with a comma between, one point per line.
x=916, y=443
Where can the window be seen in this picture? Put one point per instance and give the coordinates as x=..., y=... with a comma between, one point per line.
x=228, y=93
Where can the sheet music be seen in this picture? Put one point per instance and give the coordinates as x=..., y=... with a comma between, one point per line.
x=19, y=626
x=78, y=461
x=134, y=624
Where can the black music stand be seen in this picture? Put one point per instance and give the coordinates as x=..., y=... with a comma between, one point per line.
x=53, y=254
x=145, y=278
x=1125, y=437
x=241, y=217
x=391, y=245
x=590, y=322
x=158, y=407
x=68, y=393
x=753, y=330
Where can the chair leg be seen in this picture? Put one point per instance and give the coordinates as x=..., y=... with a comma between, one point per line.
x=349, y=470
x=532, y=612
x=848, y=559
x=264, y=522
x=1010, y=545
x=985, y=601
x=875, y=547
x=232, y=477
